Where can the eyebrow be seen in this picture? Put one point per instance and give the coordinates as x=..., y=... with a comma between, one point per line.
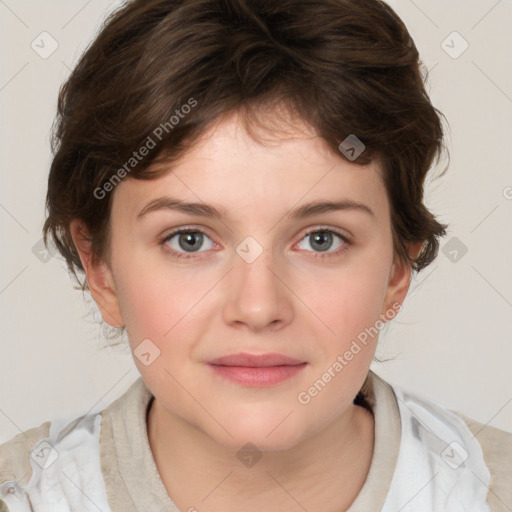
x=206, y=210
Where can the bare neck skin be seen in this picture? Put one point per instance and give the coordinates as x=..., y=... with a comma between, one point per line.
x=325, y=472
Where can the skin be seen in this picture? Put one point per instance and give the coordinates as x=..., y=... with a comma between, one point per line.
x=286, y=301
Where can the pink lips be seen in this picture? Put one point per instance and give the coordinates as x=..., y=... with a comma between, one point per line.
x=256, y=370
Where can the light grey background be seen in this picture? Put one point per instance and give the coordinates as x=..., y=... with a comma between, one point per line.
x=452, y=342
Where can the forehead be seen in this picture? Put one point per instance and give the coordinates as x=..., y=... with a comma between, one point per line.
x=283, y=167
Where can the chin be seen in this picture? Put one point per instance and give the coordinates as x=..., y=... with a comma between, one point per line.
x=268, y=433
x=242, y=440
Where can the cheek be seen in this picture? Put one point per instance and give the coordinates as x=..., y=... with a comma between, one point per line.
x=142, y=294
x=158, y=300
x=349, y=299
x=349, y=304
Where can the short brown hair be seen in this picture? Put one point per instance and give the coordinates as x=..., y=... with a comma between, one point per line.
x=342, y=66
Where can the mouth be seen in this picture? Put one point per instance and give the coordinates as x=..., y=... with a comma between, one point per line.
x=263, y=370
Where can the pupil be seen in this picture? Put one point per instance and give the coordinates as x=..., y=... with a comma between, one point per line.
x=322, y=237
x=189, y=241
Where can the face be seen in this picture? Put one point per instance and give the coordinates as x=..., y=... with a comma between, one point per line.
x=267, y=275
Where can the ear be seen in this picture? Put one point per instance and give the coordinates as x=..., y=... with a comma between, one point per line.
x=98, y=274
x=399, y=280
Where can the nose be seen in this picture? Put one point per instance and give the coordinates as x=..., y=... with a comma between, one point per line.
x=257, y=297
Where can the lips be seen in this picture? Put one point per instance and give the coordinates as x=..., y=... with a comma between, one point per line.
x=262, y=370
x=256, y=361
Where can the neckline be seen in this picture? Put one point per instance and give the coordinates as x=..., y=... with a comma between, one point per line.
x=129, y=423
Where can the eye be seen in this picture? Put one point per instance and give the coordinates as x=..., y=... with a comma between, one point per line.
x=183, y=241
x=322, y=240
x=182, y=244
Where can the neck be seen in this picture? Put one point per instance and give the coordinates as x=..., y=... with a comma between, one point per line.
x=326, y=470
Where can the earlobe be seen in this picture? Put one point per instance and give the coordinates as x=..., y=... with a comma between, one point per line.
x=98, y=274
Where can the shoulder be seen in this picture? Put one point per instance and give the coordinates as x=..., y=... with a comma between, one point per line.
x=497, y=451
x=33, y=462
x=459, y=448
x=32, y=465
x=15, y=453
x=15, y=467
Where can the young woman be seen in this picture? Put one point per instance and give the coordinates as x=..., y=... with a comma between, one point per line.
x=239, y=185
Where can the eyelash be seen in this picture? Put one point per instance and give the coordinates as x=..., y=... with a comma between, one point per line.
x=180, y=256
